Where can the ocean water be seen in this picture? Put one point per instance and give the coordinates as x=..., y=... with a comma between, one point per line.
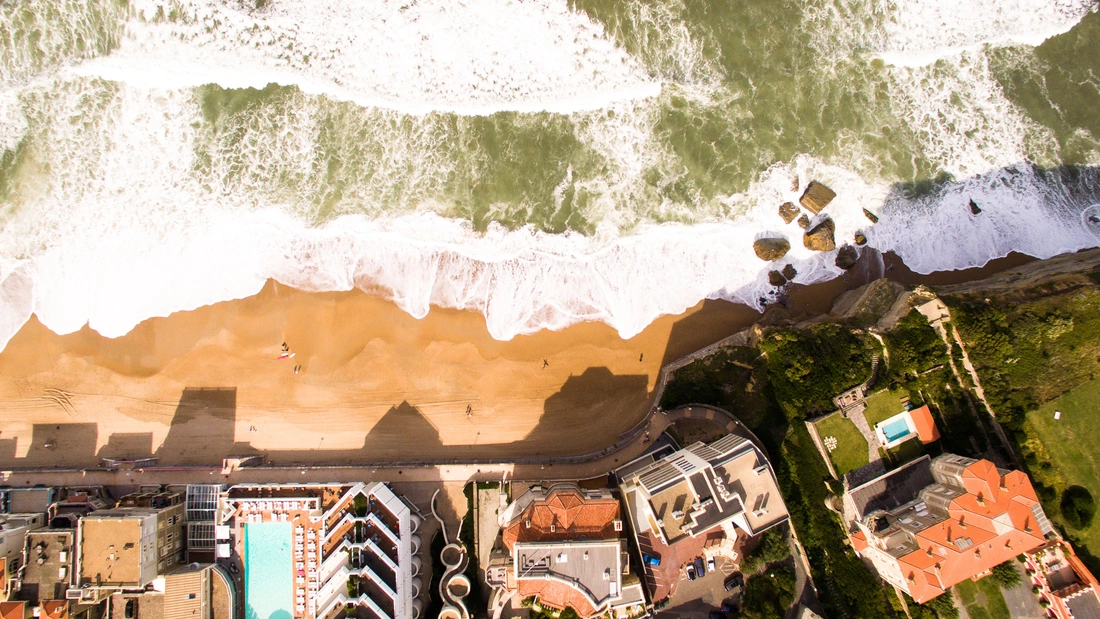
x=543, y=162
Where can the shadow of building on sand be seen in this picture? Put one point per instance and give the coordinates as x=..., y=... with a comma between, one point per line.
x=589, y=413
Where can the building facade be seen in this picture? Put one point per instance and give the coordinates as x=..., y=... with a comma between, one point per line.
x=1066, y=587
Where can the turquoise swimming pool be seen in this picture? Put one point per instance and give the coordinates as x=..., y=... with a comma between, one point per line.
x=896, y=429
x=268, y=575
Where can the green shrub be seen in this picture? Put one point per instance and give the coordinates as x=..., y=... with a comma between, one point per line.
x=1078, y=507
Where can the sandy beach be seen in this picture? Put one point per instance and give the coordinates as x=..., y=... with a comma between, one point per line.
x=375, y=384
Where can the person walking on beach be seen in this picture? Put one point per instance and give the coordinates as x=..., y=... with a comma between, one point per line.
x=545, y=363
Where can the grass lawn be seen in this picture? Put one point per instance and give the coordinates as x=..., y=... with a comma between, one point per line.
x=907, y=451
x=1069, y=441
x=884, y=405
x=983, y=599
x=851, y=448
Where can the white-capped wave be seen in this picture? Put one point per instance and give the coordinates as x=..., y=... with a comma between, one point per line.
x=471, y=57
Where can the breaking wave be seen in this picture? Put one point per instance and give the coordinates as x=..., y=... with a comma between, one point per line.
x=542, y=163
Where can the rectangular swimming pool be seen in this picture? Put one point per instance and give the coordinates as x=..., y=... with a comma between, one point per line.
x=268, y=575
x=896, y=429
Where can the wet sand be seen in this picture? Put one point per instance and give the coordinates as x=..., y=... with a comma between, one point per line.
x=375, y=384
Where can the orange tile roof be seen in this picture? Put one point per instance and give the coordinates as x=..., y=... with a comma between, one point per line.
x=13, y=610
x=55, y=609
x=926, y=426
x=859, y=541
x=978, y=534
x=556, y=595
x=565, y=514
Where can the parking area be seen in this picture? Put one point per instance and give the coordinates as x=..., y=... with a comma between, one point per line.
x=698, y=598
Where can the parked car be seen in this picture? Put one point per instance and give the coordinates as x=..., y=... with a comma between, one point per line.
x=710, y=564
x=735, y=581
x=699, y=568
x=717, y=614
x=131, y=608
x=691, y=571
x=651, y=560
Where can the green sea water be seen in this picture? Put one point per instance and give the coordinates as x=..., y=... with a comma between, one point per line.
x=599, y=118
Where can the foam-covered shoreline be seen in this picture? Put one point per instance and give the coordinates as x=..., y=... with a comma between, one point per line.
x=522, y=281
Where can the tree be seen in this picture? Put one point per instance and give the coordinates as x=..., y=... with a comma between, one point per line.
x=1006, y=575
x=769, y=594
x=1078, y=507
x=772, y=548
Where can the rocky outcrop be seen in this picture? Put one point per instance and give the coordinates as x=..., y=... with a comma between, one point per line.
x=788, y=211
x=804, y=221
x=846, y=258
x=869, y=215
x=775, y=278
x=789, y=272
x=816, y=197
x=974, y=209
x=820, y=237
x=771, y=248
x=860, y=239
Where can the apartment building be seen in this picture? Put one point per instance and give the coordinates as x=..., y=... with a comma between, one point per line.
x=128, y=546
x=313, y=550
x=565, y=547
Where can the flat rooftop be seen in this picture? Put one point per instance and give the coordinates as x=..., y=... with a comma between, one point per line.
x=594, y=568
x=41, y=581
x=111, y=550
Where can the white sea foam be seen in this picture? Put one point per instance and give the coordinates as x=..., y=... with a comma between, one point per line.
x=126, y=206
x=919, y=32
x=961, y=117
x=473, y=57
x=914, y=33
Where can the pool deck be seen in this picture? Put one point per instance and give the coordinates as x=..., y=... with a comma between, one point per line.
x=307, y=535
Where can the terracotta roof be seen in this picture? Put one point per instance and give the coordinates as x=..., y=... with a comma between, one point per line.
x=926, y=426
x=12, y=610
x=565, y=514
x=556, y=595
x=979, y=532
x=55, y=609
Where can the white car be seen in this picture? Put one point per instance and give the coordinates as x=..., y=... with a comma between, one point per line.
x=710, y=564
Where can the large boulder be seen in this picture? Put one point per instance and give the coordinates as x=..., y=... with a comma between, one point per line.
x=804, y=221
x=771, y=248
x=820, y=237
x=789, y=272
x=775, y=278
x=860, y=239
x=869, y=215
x=847, y=256
x=788, y=211
x=816, y=197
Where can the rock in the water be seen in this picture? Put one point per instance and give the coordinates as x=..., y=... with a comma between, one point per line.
x=771, y=248
x=974, y=207
x=788, y=211
x=871, y=216
x=816, y=197
x=804, y=221
x=789, y=272
x=846, y=257
x=860, y=239
x=775, y=278
x=820, y=237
